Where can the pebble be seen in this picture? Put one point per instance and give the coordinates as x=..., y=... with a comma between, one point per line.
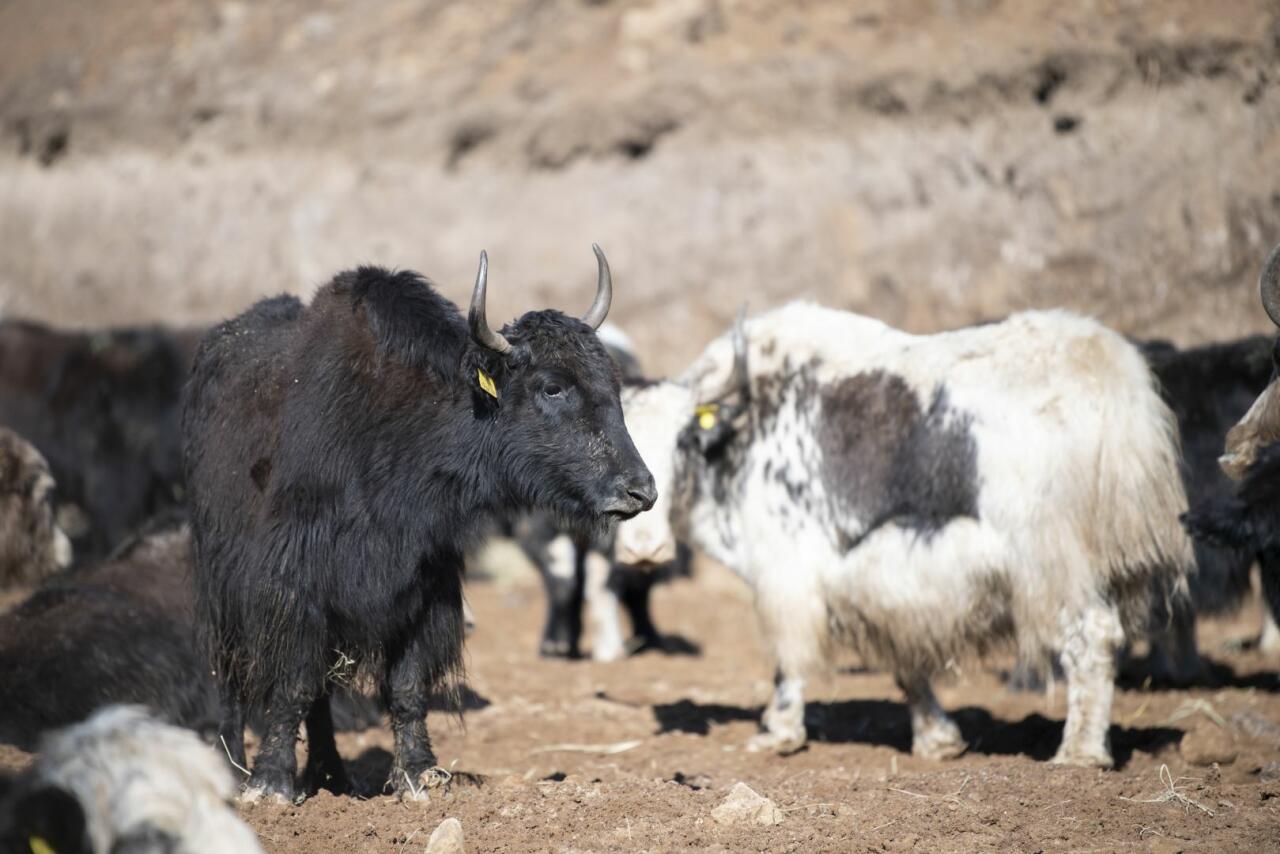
x=447, y=838
x=745, y=806
x=1206, y=745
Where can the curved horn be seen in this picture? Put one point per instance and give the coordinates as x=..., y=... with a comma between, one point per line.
x=480, y=330
x=741, y=380
x=1269, y=286
x=604, y=292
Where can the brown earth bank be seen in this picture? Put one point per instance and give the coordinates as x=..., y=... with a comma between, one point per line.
x=578, y=756
x=929, y=162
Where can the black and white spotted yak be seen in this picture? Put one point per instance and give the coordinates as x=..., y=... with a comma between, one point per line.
x=342, y=456
x=919, y=498
x=1249, y=519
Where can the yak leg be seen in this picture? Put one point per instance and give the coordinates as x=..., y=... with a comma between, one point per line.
x=324, y=766
x=426, y=661
x=602, y=601
x=276, y=765
x=793, y=615
x=1269, y=573
x=933, y=734
x=783, y=717
x=1175, y=657
x=635, y=598
x=1269, y=636
x=231, y=730
x=1089, y=645
x=563, y=578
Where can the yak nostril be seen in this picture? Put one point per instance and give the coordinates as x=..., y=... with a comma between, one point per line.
x=645, y=494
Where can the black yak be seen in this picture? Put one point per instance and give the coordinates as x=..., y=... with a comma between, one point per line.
x=340, y=457
x=1249, y=519
x=1208, y=388
x=102, y=406
x=119, y=631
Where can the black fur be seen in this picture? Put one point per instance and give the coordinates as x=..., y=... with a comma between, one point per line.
x=1249, y=520
x=122, y=632
x=117, y=632
x=1209, y=389
x=888, y=461
x=32, y=809
x=102, y=407
x=341, y=457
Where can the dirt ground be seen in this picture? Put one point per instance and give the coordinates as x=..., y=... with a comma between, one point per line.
x=635, y=755
x=579, y=756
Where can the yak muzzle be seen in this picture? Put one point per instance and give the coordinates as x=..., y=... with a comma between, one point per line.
x=632, y=497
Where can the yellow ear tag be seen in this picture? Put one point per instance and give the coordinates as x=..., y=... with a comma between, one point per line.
x=39, y=846
x=486, y=383
x=707, y=415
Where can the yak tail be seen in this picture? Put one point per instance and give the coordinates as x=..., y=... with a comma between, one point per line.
x=1139, y=495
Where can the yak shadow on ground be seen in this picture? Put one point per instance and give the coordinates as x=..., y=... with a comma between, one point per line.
x=368, y=774
x=887, y=724
x=355, y=711
x=673, y=644
x=1141, y=674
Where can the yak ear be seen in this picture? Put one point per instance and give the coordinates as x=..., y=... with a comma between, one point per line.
x=50, y=819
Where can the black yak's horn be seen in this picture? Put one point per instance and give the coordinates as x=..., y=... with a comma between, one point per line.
x=480, y=330
x=604, y=292
x=1270, y=286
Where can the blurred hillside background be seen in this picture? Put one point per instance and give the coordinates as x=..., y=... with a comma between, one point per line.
x=927, y=162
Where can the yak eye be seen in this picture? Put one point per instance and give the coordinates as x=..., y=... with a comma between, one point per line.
x=552, y=390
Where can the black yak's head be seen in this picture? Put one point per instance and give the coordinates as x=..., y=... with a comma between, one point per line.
x=553, y=390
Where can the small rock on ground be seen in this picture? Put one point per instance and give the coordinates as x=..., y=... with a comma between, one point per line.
x=745, y=806
x=1207, y=745
x=447, y=838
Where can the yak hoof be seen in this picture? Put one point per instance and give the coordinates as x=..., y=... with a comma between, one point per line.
x=608, y=652
x=784, y=744
x=263, y=794
x=1083, y=757
x=434, y=777
x=941, y=742
x=555, y=649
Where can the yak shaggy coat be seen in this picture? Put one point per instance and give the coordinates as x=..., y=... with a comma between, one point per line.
x=340, y=459
x=123, y=781
x=921, y=498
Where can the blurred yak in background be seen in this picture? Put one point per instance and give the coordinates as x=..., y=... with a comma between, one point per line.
x=102, y=407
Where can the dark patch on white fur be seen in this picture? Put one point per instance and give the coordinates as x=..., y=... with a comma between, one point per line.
x=888, y=461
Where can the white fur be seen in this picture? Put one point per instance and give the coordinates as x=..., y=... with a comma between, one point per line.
x=562, y=557
x=1077, y=508
x=607, y=640
x=130, y=771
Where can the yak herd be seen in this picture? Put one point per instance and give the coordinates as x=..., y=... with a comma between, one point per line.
x=211, y=523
